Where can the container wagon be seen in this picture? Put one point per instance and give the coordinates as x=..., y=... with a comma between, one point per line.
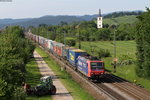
x=52, y=46
x=73, y=55
x=45, y=43
x=49, y=44
x=59, y=48
x=65, y=52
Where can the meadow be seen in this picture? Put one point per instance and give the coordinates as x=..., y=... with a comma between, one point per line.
x=122, y=47
x=127, y=48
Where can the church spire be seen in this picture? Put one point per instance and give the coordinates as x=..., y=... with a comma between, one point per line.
x=100, y=13
x=99, y=20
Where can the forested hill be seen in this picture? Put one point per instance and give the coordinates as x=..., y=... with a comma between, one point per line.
x=49, y=20
x=55, y=20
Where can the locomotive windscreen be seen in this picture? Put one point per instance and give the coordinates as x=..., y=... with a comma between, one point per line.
x=96, y=65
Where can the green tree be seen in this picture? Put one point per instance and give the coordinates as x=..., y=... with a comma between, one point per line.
x=103, y=34
x=70, y=41
x=143, y=45
x=15, y=52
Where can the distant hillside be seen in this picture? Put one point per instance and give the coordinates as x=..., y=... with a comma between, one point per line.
x=55, y=20
x=49, y=20
x=10, y=21
x=123, y=19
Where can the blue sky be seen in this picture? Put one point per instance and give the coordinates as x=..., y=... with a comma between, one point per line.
x=38, y=8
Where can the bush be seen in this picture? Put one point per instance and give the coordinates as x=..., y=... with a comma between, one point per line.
x=19, y=94
x=103, y=53
x=70, y=41
x=3, y=85
x=126, y=60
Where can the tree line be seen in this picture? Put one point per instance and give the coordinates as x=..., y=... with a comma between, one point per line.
x=125, y=13
x=85, y=31
x=15, y=52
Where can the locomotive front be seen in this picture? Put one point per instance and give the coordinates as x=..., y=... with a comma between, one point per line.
x=91, y=68
x=96, y=69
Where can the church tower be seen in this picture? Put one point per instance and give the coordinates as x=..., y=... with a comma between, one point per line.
x=99, y=20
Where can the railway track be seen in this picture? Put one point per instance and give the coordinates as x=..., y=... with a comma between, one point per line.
x=109, y=88
x=128, y=88
x=100, y=92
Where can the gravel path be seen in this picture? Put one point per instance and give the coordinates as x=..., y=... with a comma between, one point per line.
x=62, y=93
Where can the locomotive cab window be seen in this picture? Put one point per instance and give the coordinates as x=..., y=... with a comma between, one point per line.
x=96, y=65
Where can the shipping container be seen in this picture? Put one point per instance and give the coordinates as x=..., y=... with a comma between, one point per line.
x=45, y=43
x=40, y=40
x=37, y=38
x=55, y=48
x=52, y=46
x=59, y=49
x=34, y=37
x=49, y=44
x=73, y=55
x=64, y=52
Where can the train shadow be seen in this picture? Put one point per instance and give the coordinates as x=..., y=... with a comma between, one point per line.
x=110, y=78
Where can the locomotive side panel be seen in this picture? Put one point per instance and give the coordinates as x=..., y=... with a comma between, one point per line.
x=82, y=66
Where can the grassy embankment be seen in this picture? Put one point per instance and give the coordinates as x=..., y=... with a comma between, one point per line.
x=123, y=48
x=74, y=88
x=118, y=20
x=32, y=77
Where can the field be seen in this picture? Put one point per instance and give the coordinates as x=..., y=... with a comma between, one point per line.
x=122, y=19
x=123, y=48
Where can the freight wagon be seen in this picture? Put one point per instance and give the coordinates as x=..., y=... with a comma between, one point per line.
x=65, y=52
x=73, y=55
x=45, y=43
x=37, y=39
x=41, y=41
x=49, y=44
x=52, y=46
x=59, y=48
x=55, y=48
x=85, y=64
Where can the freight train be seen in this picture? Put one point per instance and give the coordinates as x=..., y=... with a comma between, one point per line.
x=89, y=66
